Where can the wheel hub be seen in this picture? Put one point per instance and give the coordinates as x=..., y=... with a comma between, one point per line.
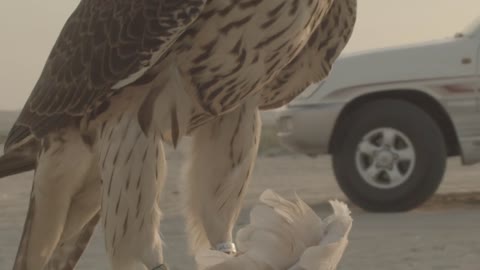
x=385, y=158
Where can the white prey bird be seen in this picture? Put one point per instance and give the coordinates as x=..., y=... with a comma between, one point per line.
x=284, y=235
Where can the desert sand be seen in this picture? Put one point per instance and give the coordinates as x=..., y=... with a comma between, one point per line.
x=443, y=234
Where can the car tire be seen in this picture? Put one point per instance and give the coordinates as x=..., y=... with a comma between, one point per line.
x=372, y=156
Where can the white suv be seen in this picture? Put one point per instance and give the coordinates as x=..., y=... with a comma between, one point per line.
x=391, y=117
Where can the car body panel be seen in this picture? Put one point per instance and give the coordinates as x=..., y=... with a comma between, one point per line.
x=447, y=71
x=312, y=129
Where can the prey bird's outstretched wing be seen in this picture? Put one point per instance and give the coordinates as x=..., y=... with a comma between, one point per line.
x=104, y=46
x=315, y=61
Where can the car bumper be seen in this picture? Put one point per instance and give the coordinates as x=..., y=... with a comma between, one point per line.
x=308, y=128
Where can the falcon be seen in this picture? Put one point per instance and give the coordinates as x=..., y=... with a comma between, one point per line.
x=126, y=76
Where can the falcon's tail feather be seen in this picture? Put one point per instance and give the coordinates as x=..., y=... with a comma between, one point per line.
x=14, y=163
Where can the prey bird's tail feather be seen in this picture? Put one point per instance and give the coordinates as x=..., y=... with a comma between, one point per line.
x=14, y=163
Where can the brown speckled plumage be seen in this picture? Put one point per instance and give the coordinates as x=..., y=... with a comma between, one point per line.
x=125, y=76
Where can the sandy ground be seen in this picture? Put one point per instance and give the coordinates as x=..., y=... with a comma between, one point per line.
x=444, y=234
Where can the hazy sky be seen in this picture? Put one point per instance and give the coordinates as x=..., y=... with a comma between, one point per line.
x=28, y=29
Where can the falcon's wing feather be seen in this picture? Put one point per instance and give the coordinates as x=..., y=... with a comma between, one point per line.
x=104, y=45
x=315, y=61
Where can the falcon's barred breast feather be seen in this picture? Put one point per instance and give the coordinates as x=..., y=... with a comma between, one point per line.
x=126, y=76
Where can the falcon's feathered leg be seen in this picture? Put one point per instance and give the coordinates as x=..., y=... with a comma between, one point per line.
x=133, y=167
x=68, y=253
x=56, y=182
x=82, y=218
x=221, y=162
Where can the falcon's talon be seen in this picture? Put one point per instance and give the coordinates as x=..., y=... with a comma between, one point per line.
x=161, y=267
x=227, y=247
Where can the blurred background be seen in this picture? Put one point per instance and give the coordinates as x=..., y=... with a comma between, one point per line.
x=441, y=233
